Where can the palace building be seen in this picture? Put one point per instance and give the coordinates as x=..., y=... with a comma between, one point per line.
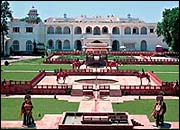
x=73, y=33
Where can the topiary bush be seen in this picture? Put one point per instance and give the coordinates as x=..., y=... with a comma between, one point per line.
x=6, y=63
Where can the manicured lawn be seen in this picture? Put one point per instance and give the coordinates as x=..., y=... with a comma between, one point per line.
x=169, y=77
x=10, y=107
x=110, y=57
x=37, y=64
x=145, y=107
x=155, y=68
x=68, y=57
x=46, y=67
x=29, y=61
x=18, y=76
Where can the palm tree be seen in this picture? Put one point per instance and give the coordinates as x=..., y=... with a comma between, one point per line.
x=5, y=14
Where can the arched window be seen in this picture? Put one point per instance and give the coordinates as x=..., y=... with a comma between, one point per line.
x=135, y=30
x=66, y=45
x=66, y=30
x=50, y=30
x=143, y=45
x=78, y=45
x=88, y=30
x=104, y=30
x=58, y=30
x=77, y=30
x=29, y=46
x=15, y=45
x=143, y=30
x=115, y=45
x=58, y=45
x=96, y=31
x=127, y=30
x=115, y=30
x=50, y=44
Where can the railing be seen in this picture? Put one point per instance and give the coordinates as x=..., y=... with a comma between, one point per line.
x=53, y=87
x=96, y=36
x=139, y=87
x=138, y=53
x=155, y=78
x=104, y=87
x=87, y=87
x=37, y=78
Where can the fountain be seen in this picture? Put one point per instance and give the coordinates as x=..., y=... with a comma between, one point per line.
x=96, y=118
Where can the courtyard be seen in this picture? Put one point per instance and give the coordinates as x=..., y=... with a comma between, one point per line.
x=116, y=66
x=16, y=70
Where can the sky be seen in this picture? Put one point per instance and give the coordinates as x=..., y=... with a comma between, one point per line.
x=148, y=11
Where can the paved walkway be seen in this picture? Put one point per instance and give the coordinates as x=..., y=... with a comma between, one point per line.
x=92, y=106
x=49, y=121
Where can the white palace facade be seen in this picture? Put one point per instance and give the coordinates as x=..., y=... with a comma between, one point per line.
x=73, y=33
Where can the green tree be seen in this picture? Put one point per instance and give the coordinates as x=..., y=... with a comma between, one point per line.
x=169, y=28
x=31, y=20
x=35, y=48
x=6, y=14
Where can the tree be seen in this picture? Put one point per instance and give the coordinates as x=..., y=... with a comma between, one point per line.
x=35, y=48
x=169, y=28
x=31, y=20
x=6, y=14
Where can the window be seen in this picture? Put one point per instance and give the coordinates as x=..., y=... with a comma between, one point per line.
x=89, y=30
x=15, y=45
x=151, y=30
x=104, y=30
x=127, y=30
x=58, y=45
x=29, y=29
x=50, y=44
x=66, y=30
x=50, y=30
x=16, y=29
x=143, y=30
x=143, y=45
x=96, y=31
x=115, y=30
x=77, y=30
x=58, y=30
x=29, y=46
x=135, y=30
x=66, y=45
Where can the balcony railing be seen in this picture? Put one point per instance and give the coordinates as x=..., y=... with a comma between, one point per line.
x=86, y=36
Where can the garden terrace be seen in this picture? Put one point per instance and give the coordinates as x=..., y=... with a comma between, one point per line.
x=21, y=87
x=68, y=58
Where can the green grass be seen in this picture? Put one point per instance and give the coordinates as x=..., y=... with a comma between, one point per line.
x=168, y=77
x=155, y=68
x=46, y=67
x=68, y=57
x=18, y=76
x=10, y=107
x=37, y=64
x=110, y=57
x=29, y=61
x=145, y=107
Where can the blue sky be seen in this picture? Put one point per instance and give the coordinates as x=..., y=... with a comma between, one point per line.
x=149, y=11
